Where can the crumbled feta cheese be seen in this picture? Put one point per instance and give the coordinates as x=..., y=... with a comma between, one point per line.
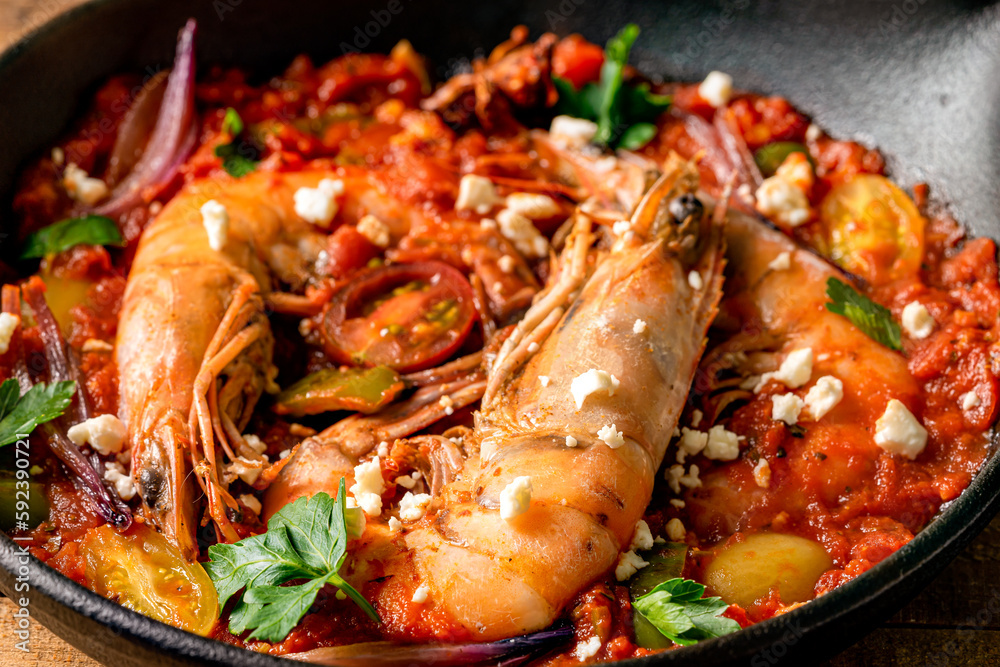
x=813, y=132
x=255, y=443
x=783, y=201
x=383, y=450
x=762, y=473
x=639, y=327
x=375, y=231
x=917, y=321
x=675, y=530
x=695, y=281
x=520, y=231
x=692, y=442
x=395, y=525
x=532, y=347
x=691, y=480
x=477, y=193
x=621, y=227
x=673, y=476
x=794, y=371
x=543, y=380
x=413, y=506
x=488, y=223
x=114, y=473
x=611, y=436
x=571, y=441
x=251, y=503
x=716, y=89
x=629, y=562
x=588, y=649
x=81, y=187
x=970, y=400
x=406, y=481
x=570, y=132
x=105, y=434
x=420, y=595
x=722, y=445
x=533, y=205
x=678, y=503
x=284, y=454
x=696, y=417
x=8, y=325
x=319, y=205
x=824, y=396
x=897, y=431
x=215, y=219
x=448, y=404
x=245, y=469
x=591, y=382
x=506, y=263
x=89, y=345
x=786, y=408
x=368, y=486
x=641, y=538
x=782, y=262
x=515, y=498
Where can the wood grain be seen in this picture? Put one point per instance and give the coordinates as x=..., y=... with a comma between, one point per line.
x=955, y=621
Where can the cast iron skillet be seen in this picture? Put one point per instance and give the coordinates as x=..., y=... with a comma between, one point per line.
x=914, y=77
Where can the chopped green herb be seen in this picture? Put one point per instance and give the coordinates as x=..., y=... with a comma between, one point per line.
x=677, y=609
x=20, y=415
x=874, y=320
x=666, y=562
x=237, y=156
x=304, y=540
x=623, y=114
x=770, y=156
x=232, y=124
x=63, y=235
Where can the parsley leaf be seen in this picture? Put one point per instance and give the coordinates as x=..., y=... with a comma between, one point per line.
x=624, y=114
x=20, y=415
x=874, y=320
x=307, y=540
x=63, y=235
x=237, y=156
x=677, y=609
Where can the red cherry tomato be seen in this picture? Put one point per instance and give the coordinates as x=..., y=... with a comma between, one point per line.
x=406, y=316
x=577, y=60
x=348, y=251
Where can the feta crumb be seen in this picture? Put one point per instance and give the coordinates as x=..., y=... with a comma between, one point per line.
x=691, y=480
x=506, y=263
x=251, y=503
x=970, y=400
x=678, y=503
x=105, y=434
x=786, y=408
x=621, y=227
x=8, y=325
x=255, y=443
x=515, y=498
x=782, y=262
x=571, y=441
x=639, y=327
x=543, y=380
x=520, y=231
x=383, y=450
x=488, y=223
x=533, y=206
x=284, y=454
x=762, y=473
x=641, y=537
x=611, y=436
x=813, y=132
x=794, y=372
x=824, y=396
x=395, y=525
x=215, y=219
x=629, y=562
x=783, y=201
x=591, y=382
x=723, y=445
x=375, y=231
x=81, y=187
x=413, y=506
x=692, y=442
x=405, y=481
x=368, y=486
x=532, y=347
x=448, y=404
x=675, y=530
x=673, y=476
x=420, y=595
x=588, y=649
x=716, y=89
x=695, y=281
x=89, y=345
x=319, y=205
x=897, y=431
x=570, y=132
x=917, y=321
x=245, y=469
x=696, y=417
x=477, y=193
x=114, y=473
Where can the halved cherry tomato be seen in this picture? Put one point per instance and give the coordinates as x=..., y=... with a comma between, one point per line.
x=577, y=60
x=348, y=250
x=406, y=316
x=142, y=571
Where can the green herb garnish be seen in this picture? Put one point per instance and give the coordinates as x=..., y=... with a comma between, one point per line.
x=677, y=609
x=874, y=320
x=63, y=235
x=237, y=156
x=304, y=540
x=20, y=415
x=624, y=114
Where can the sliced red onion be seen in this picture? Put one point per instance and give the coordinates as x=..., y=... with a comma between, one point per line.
x=505, y=653
x=136, y=128
x=168, y=140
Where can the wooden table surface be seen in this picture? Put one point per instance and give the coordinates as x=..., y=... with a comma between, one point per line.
x=954, y=622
